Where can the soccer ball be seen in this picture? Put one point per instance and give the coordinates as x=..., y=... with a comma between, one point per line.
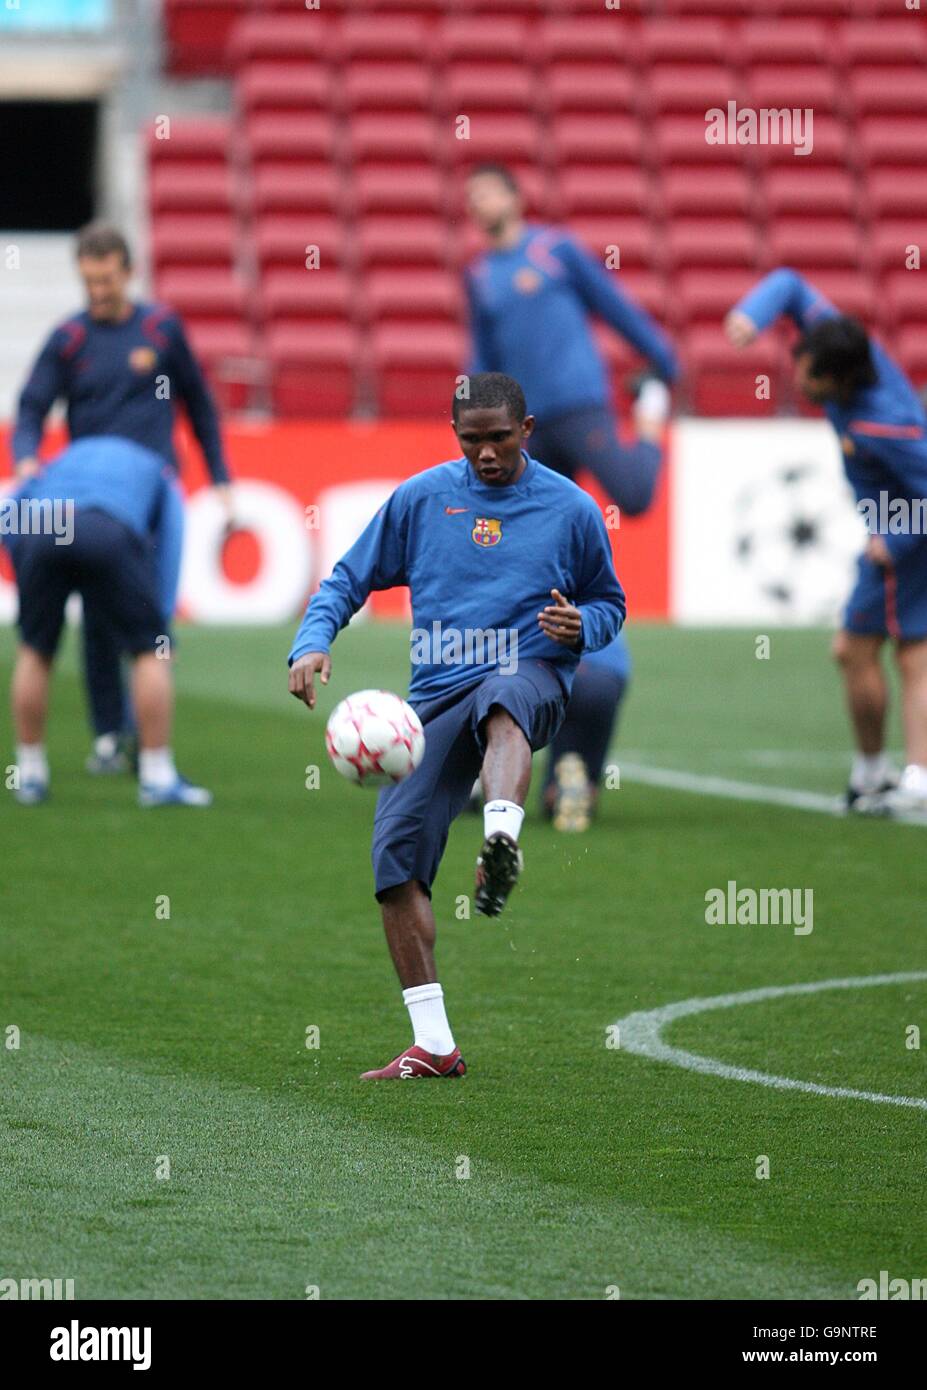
x=374, y=737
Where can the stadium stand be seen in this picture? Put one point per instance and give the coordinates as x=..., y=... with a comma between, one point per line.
x=342, y=139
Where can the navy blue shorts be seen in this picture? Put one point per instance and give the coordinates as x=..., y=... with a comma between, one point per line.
x=891, y=602
x=413, y=817
x=111, y=568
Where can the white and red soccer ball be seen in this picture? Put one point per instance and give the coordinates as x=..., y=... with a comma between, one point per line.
x=373, y=737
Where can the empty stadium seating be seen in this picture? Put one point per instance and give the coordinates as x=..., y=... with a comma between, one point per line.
x=320, y=229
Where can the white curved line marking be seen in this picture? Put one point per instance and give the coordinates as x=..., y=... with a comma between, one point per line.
x=640, y=1033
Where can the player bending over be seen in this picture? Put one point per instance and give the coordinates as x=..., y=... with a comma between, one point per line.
x=532, y=298
x=490, y=542
x=121, y=501
x=882, y=428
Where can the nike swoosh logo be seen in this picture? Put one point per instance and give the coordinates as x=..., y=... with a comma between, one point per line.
x=452, y=511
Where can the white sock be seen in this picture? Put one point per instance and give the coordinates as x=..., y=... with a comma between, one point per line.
x=869, y=772
x=106, y=745
x=502, y=815
x=429, y=1021
x=32, y=762
x=914, y=779
x=156, y=767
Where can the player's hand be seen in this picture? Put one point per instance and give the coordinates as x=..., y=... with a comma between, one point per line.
x=224, y=494
x=878, y=552
x=561, y=621
x=739, y=330
x=302, y=675
x=27, y=468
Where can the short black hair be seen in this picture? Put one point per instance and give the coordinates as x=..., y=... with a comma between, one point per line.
x=499, y=171
x=839, y=347
x=487, y=391
x=99, y=239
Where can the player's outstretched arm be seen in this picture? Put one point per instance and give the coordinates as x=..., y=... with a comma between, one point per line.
x=781, y=292
x=303, y=672
x=45, y=384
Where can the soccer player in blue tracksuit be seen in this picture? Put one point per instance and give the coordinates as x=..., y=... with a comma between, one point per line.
x=492, y=542
x=882, y=427
x=122, y=368
x=531, y=297
x=100, y=520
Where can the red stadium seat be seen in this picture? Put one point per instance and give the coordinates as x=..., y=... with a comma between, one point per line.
x=508, y=139
x=297, y=188
x=905, y=294
x=261, y=38
x=793, y=86
x=809, y=192
x=882, y=41
x=416, y=366
x=413, y=294
x=646, y=288
x=229, y=356
x=849, y=292
x=398, y=188
x=480, y=87
x=728, y=243
x=608, y=189
x=894, y=244
x=381, y=38
x=287, y=242
x=295, y=138
x=911, y=351
x=890, y=140
x=619, y=243
x=284, y=87
x=203, y=138
x=829, y=144
x=312, y=369
x=379, y=87
x=681, y=140
x=562, y=39
x=722, y=380
x=684, y=41
x=402, y=241
x=784, y=41
x=710, y=192
x=805, y=243
x=179, y=187
x=326, y=296
x=389, y=137
x=204, y=296
x=590, y=140
x=679, y=87
x=206, y=240
x=889, y=91
x=737, y=9
x=491, y=40
x=894, y=192
x=589, y=86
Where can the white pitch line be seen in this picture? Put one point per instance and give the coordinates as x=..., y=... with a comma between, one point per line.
x=640, y=1033
x=703, y=785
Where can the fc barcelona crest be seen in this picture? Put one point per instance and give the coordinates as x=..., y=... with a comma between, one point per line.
x=487, y=531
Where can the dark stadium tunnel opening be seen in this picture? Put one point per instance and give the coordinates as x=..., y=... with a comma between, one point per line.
x=48, y=162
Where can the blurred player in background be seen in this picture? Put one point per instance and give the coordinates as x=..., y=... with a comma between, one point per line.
x=546, y=580
x=882, y=427
x=531, y=298
x=120, y=504
x=122, y=369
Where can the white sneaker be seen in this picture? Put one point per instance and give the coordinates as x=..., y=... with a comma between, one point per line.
x=909, y=798
x=179, y=793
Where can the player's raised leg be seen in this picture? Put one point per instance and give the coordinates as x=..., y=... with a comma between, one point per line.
x=505, y=776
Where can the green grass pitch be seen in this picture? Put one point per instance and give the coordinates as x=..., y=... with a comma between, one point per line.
x=147, y=1041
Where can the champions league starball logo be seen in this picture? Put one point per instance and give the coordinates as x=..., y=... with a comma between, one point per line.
x=795, y=543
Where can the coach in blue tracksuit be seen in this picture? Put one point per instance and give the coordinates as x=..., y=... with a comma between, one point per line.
x=491, y=543
x=114, y=540
x=531, y=300
x=122, y=368
x=882, y=428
